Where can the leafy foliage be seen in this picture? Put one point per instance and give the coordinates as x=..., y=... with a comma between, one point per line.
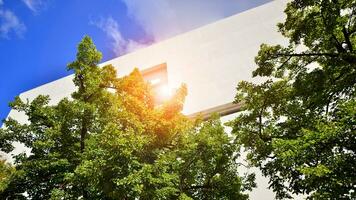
x=6, y=170
x=110, y=141
x=299, y=125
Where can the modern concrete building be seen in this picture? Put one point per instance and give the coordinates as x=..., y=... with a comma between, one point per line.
x=211, y=60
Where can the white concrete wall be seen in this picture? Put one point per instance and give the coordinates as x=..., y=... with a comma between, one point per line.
x=211, y=60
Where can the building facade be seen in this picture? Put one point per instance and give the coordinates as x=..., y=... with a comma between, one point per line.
x=210, y=60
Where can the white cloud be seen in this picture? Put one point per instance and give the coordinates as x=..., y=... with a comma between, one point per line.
x=120, y=45
x=9, y=22
x=162, y=19
x=34, y=5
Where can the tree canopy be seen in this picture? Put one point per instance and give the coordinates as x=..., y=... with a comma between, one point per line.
x=299, y=125
x=110, y=141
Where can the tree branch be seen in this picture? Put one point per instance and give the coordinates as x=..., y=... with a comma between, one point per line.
x=347, y=39
x=285, y=62
x=308, y=54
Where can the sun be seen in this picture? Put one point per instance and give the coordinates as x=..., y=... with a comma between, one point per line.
x=164, y=92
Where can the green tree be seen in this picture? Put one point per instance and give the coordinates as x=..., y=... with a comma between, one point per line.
x=6, y=170
x=110, y=141
x=299, y=124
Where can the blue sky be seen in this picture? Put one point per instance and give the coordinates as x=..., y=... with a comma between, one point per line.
x=38, y=38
